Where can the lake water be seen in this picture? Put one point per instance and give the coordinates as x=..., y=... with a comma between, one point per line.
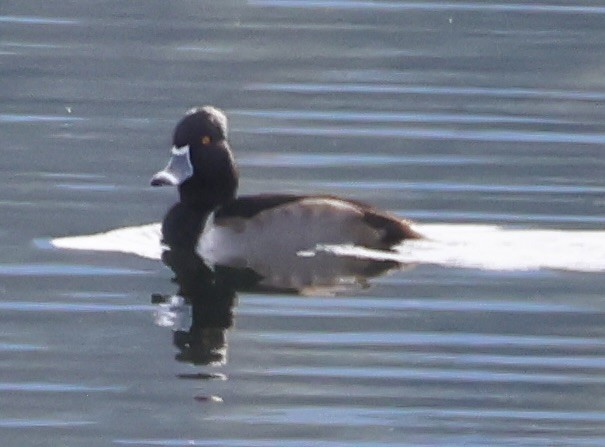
x=482, y=121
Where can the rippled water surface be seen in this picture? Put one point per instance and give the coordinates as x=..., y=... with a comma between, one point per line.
x=473, y=114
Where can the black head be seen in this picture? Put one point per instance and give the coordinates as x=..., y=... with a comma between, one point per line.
x=201, y=126
x=201, y=165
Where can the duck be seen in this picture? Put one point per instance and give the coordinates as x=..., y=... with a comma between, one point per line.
x=224, y=228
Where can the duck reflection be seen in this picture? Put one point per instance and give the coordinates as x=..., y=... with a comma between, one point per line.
x=202, y=309
x=199, y=313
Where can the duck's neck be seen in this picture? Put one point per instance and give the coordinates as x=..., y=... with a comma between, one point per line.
x=214, y=183
x=206, y=198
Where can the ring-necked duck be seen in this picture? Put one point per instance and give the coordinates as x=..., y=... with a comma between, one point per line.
x=223, y=227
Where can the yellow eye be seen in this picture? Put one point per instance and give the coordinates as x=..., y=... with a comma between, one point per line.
x=206, y=140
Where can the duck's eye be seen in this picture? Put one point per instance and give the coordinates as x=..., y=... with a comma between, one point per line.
x=206, y=140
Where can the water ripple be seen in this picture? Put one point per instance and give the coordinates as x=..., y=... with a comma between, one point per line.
x=33, y=20
x=466, y=216
x=476, y=375
x=65, y=270
x=20, y=347
x=56, y=387
x=33, y=423
x=467, y=187
x=431, y=339
x=316, y=160
x=432, y=6
x=28, y=306
x=373, y=88
x=400, y=117
x=16, y=118
x=331, y=306
x=246, y=442
x=495, y=135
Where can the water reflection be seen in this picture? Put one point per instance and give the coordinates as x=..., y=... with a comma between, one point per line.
x=201, y=311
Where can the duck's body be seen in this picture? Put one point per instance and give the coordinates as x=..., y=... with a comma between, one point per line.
x=258, y=225
x=225, y=229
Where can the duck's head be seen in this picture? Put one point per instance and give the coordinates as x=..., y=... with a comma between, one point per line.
x=201, y=163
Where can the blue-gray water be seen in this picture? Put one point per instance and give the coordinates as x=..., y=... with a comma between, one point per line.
x=479, y=113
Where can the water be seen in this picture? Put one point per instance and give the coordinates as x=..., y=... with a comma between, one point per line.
x=482, y=121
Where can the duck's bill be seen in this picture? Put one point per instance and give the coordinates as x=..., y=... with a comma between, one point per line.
x=178, y=170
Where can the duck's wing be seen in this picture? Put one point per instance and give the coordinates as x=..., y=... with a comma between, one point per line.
x=387, y=229
x=246, y=207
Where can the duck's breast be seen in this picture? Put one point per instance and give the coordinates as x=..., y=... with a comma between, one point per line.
x=285, y=230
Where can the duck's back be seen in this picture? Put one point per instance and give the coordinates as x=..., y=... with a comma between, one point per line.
x=262, y=227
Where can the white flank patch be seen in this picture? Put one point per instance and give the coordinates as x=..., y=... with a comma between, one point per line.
x=450, y=245
x=142, y=241
x=494, y=248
